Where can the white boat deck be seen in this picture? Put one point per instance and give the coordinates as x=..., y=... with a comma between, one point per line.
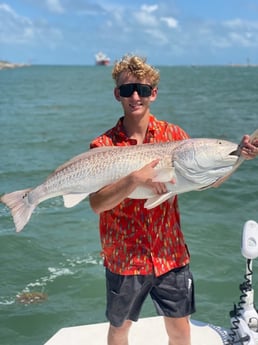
x=149, y=331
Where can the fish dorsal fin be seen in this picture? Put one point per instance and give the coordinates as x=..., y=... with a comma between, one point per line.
x=71, y=200
x=157, y=200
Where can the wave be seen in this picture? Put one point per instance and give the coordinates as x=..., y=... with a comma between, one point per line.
x=70, y=267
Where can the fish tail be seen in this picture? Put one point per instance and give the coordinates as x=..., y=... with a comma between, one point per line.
x=20, y=207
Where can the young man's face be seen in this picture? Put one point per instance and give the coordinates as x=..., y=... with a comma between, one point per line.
x=135, y=95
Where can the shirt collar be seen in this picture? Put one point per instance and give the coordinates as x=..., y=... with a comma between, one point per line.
x=120, y=131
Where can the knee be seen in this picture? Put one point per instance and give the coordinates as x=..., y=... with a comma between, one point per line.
x=122, y=330
x=178, y=331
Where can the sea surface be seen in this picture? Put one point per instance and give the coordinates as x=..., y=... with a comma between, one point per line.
x=49, y=114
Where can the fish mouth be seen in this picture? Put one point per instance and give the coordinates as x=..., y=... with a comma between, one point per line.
x=236, y=152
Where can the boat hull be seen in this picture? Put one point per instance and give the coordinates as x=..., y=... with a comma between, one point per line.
x=103, y=63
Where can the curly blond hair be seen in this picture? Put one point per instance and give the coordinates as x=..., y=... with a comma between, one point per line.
x=136, y=66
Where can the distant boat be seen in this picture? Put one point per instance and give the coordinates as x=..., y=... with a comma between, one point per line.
x=102, y=59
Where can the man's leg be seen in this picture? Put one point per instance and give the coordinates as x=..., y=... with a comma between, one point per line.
x=173, y=297
x=178, y=330
x=125, y=296
x=119, y=335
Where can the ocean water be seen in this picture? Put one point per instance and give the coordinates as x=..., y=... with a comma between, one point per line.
x=48, y=114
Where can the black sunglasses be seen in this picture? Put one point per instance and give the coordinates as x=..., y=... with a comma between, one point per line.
x=143, y=90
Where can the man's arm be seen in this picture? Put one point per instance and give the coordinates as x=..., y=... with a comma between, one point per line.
x=111, y=195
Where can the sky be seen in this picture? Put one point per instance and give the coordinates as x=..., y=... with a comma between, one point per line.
x=169, y=32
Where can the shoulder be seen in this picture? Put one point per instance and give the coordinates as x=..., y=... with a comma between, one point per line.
x=172, y=131
x=177, y=132
x=104, y=139
x=111, y=137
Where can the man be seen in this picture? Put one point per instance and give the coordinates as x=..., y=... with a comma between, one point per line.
x=144, y=250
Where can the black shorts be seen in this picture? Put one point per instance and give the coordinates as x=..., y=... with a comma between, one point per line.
x=172, y=294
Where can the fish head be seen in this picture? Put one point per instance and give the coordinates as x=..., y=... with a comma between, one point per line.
x=205, y=160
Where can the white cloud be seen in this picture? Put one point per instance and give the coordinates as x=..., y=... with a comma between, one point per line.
x=242, y=39
x=12, y=26
x=234, y=23
x=117, y=27
x=6, y=8
x=145, y=15
x=145, y=18
x=158, y=36
x=54, y=6
x=149, y=9
x=28, y=33
x=240, y=24
x=171, y=22
x=241, y=33
x=17, y=29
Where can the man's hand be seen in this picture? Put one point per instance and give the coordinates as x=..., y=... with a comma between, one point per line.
x=146, y=174
x=248, y=148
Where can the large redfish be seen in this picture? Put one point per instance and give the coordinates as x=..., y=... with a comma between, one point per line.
x=194, y=164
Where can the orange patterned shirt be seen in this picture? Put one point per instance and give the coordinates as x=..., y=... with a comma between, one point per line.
x=136, y=240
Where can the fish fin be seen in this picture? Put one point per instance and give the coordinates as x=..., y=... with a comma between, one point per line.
x=20, y=207
x=71, y=200
x=164, y=175
x=157, y=200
